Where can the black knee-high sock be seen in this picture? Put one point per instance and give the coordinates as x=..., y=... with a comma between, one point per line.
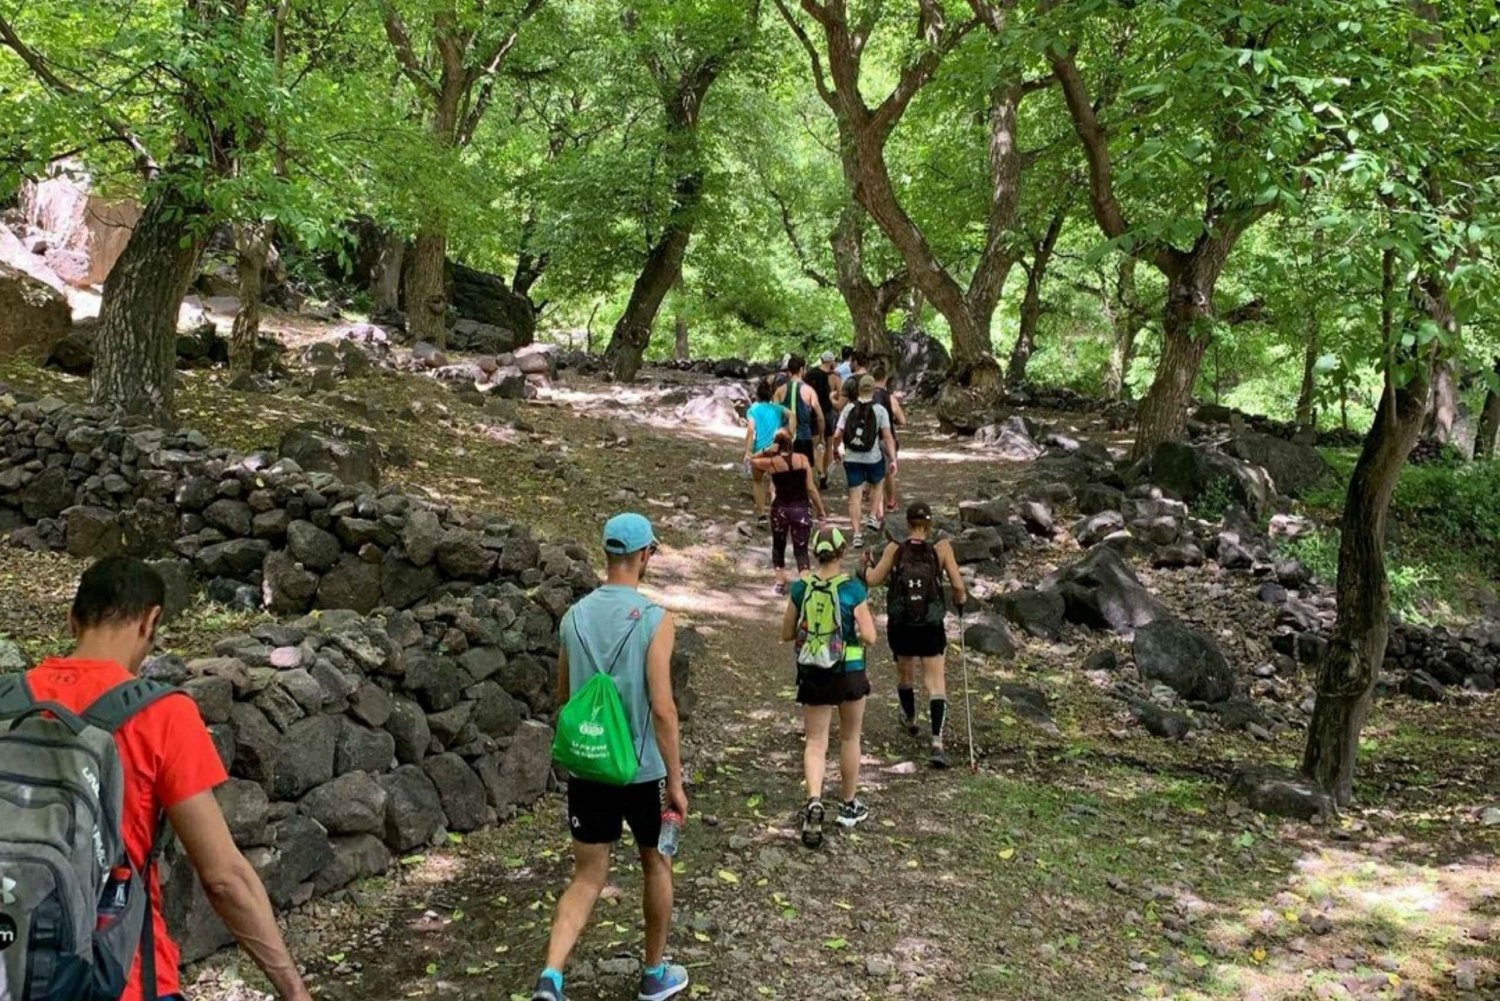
x=908, y=697
x=939, y=709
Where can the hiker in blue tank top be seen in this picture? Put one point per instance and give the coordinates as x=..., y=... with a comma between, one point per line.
x=617, y=631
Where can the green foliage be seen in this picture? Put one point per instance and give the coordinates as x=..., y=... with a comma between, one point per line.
x=1217, y=497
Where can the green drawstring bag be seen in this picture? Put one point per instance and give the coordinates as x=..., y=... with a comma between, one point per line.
x=593, y=740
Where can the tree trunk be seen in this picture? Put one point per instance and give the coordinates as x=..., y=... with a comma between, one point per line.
x=1163, y=412
x=682, y=338
x=426, y=288
x=1123, y=317
x=1306, y=417
x=913, y=321
x=252, y=244
x=1346, y=677
x=1442, y=406
x=663, y=267
x=860, y=294
x=1489, y=422
x=1031, y=314
x=135, y=359
x=385, y=277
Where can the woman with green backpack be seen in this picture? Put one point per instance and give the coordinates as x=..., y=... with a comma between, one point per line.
x=829, y=620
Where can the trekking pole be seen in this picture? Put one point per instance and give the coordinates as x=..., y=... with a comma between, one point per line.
x=963, y=659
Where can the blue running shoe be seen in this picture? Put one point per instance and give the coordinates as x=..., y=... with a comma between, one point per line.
x=672, y=981
x=547, y=991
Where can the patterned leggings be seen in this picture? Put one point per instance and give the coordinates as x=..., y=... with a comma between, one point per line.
x=794, y=521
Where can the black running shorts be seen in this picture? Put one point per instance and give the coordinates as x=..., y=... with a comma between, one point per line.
x=920, y=640
x=804, y=446
x=817, y=687
x=597, y=812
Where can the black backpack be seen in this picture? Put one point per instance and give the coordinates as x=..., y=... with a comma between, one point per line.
x=862, y=429
x=915, y=591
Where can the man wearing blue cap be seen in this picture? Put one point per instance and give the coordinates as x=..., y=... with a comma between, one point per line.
x=618, y=631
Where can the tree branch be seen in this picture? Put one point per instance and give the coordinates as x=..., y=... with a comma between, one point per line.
x=914, y=77
x=406, y=56
x=144, y=162
x=820, y=279
x=819, y=80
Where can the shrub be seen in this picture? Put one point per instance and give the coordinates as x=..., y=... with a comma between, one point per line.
x=1215, y=499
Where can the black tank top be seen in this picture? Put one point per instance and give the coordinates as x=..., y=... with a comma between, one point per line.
x=791, y=484
x=818, y=379
x=883, y=397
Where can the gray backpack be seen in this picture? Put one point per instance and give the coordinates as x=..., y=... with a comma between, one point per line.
x=73, y=911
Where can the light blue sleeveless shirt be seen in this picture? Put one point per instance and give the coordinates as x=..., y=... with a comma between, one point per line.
x=610, y=630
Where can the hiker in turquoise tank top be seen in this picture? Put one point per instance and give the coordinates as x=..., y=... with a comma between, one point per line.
x=617, y=631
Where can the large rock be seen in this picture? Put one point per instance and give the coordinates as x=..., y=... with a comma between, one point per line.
x=235, y=559
x=921, y=361
x=246, y=808
x=990, y=639
x=360, y=748
x=528, y=762
x=1101, y=592
x=346, y=452
x=460, y=791
x=314, y=548
x=93, y=532
x=356, y=857
x=1190, y=472
x=257, y=744
x=1040, y=613
x=46, y=496
x=1185, y=660
x=1281, y=792
x=1010, y=439
x=287, y=588
x=306, y=759
x=350, y=804
x=413, y=811
x=300, y=850
x=408, y=725
x=86, y=232
x=485, y=298
x=352, y=584
x=33, y=315
x=1294, y=468
x=463, y=555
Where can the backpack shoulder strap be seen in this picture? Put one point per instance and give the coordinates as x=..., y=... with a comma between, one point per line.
x=15, y=695
x=121, y=703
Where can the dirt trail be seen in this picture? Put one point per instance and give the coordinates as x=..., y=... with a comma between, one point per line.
x=1084, y=863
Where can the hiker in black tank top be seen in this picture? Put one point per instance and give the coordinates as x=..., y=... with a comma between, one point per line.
x=791, y=509
x=825, y=383
x=920, y=639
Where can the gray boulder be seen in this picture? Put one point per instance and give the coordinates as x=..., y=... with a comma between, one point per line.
x=460, y=791
x=306, y=759
x=314, y=548
x=993, y=640
x=1183, y=659
x=413, y=811
x=352, y=584
x=408, y=726
x=361, y=749
x=1101, y=592
x=347, y=453
x=355, y=857
x=1294, y=468
x=350, y=804
x=1039, y=613
x=246, y=808
x=1281, y=792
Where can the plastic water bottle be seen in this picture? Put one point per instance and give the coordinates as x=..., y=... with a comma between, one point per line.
x=671, y=833
x=116, y=895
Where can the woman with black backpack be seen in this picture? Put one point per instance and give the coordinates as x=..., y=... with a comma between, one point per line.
x=916, y=611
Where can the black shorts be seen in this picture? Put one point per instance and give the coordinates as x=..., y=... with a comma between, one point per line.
x=803, y=446
x=596, y=812
x=817, y=687
x=923, y=640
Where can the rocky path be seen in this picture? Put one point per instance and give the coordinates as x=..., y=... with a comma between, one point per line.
x=1081, y=861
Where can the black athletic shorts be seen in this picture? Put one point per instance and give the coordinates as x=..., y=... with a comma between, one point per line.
x=922, y=640
x=803, y=446
x=596, y=812
x=816, y=687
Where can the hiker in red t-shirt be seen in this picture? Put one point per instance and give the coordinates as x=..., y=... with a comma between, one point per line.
x=171, y=766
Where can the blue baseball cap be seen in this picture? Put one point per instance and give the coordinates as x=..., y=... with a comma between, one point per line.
x=628, y=533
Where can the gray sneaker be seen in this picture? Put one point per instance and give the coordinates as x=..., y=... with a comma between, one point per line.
x=853, y=813
x=668, y=984
x=546, y=992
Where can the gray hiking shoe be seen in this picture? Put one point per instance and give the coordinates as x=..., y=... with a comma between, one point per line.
x=546, y=992
x=812, y=823
x=854, y=813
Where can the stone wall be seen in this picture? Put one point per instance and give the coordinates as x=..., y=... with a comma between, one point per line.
x=407, y=693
